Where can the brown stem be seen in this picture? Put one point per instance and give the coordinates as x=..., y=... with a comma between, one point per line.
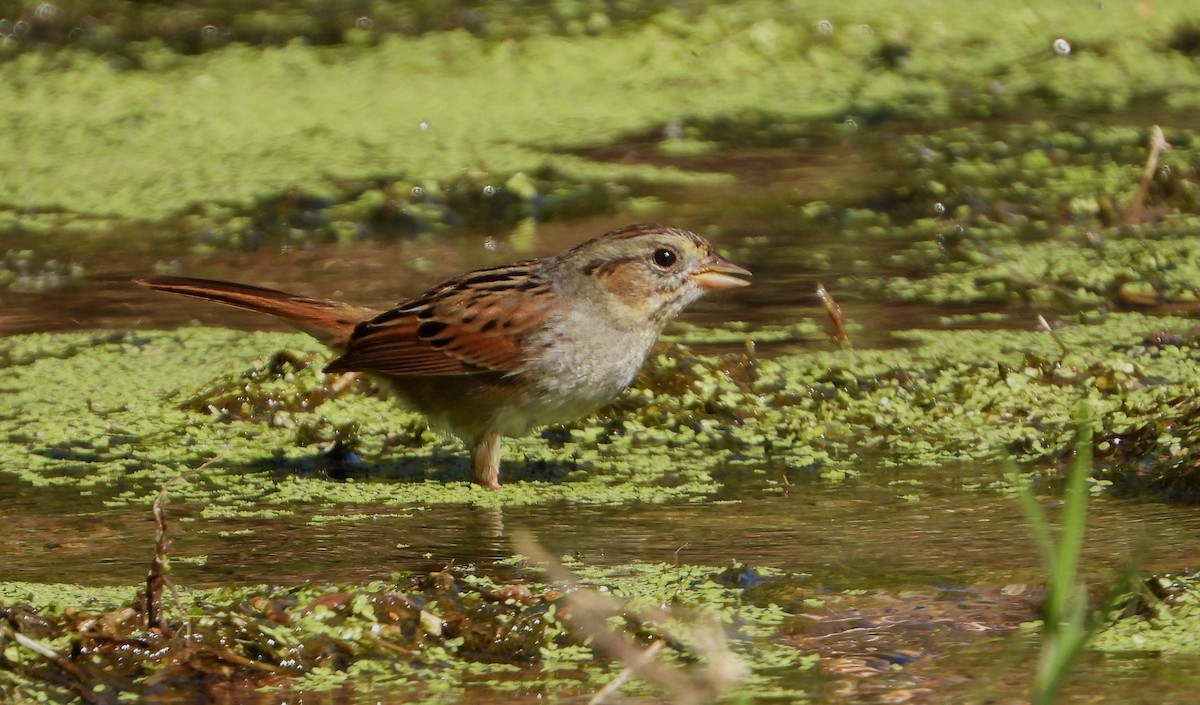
x=1134, y=213
x=834, y=311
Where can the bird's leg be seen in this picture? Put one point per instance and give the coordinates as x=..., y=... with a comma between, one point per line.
x=485, y=461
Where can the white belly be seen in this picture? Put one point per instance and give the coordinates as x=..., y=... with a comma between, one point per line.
x=579, y=366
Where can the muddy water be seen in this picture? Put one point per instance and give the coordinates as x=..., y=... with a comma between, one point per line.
x=850, y=535
x=939, y=583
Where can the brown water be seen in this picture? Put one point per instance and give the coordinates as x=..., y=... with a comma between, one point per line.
x=945, y=581
x=848, y=535
x=769, y=184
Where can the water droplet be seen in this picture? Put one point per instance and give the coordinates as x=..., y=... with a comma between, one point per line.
x=209, y=32
x=849, y=122
x=46, y=11
x=489, y=190
x=1062, y=47
x=6, y=26
x=364, y=23
x=825, y=27
x=939, y=209
x=490, y=244
x=424, y=125
x=417, y=191
x=21, y=28
x=1165, y=170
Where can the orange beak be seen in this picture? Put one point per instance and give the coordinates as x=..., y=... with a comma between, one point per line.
x=719, y=273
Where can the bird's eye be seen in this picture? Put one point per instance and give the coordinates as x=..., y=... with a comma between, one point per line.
x=665, y=257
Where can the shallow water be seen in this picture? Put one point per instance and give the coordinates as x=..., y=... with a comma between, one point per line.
x=940, y=583
x=854, y=534
x=947, y=573
x=770, y=184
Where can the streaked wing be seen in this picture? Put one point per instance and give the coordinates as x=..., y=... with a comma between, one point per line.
x=475, y=323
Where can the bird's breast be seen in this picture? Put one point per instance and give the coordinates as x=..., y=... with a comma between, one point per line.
x=579, y=362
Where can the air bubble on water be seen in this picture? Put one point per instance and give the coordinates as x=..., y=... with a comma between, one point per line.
x=490, y=244
x=849, y=122
x=209, y=32
x=46, y=11
x=939, y=209
x=424, y=125
x=21, y=28
x=1062, y=47
x=364, y=23
x=489, y=190
x=825, y=27
x=417, y=191
x=1165, y=170
x=6, y=26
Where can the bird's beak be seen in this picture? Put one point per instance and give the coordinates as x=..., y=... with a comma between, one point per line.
x=719, y=273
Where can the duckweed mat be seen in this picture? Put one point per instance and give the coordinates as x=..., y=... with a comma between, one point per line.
x=272, y=432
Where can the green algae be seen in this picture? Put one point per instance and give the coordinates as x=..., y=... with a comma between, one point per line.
x=24, y=271
x=1018, y=214
x=213, y=137
x=1015, y=214
x=59, y=597
x=275, y=436
x=1158, y=454
x=200, y=25
x=1164, y=620
x=127, y=439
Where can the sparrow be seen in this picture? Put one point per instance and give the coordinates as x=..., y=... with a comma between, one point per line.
x=500, y=351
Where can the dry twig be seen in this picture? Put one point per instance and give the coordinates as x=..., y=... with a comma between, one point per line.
x=1135, y=212
x=1045, y=327
x=156, y=577
x=837, y=320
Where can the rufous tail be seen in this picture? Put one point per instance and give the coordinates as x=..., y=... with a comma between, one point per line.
x=331, y=322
